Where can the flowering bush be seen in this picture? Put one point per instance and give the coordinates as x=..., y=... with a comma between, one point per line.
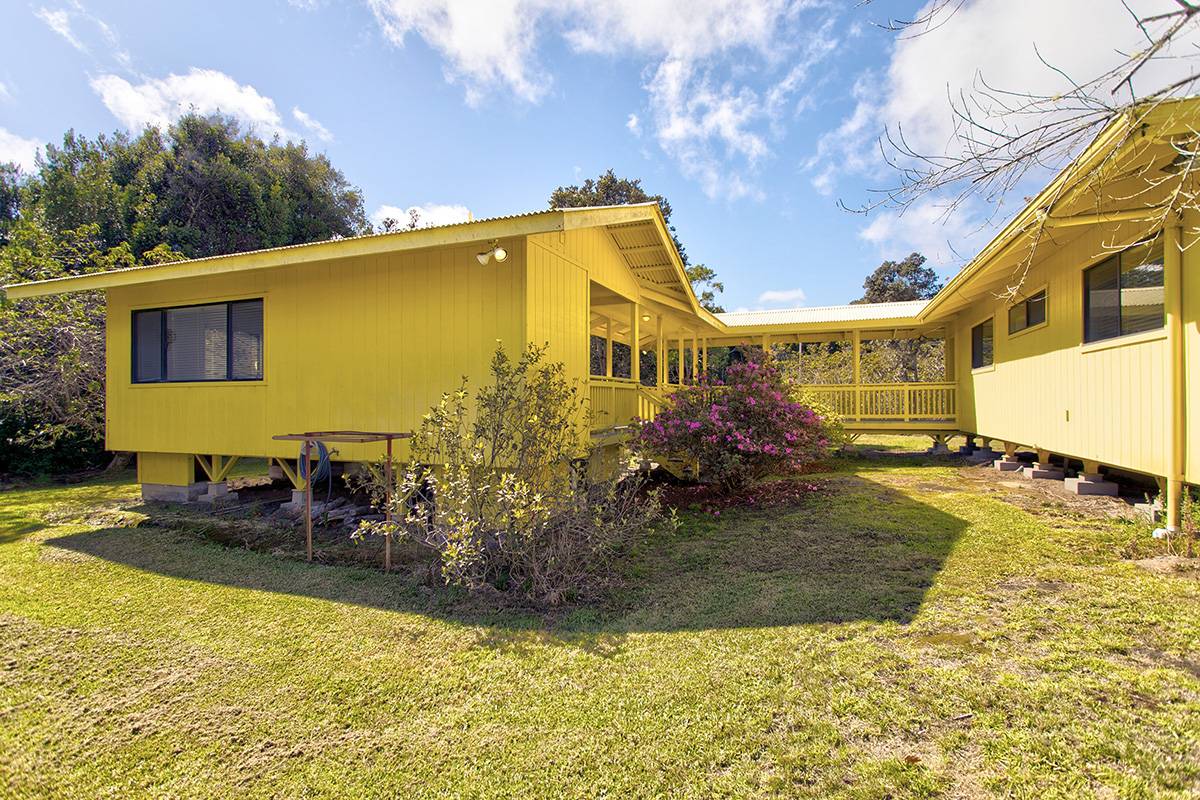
x=496, y=487
x=738, y=430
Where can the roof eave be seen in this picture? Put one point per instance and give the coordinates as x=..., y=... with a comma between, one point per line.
x=377, y=244
x=1082, y=166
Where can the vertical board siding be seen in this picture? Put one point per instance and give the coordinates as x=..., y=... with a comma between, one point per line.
x=359, y=343
x=1048, y=390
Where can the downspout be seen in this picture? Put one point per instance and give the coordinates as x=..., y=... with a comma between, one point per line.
x=1177, y=432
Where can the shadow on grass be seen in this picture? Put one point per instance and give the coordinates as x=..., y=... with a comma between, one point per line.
x=855, y=551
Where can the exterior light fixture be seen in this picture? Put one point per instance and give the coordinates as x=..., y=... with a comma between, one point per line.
x=645, y=317
x=496, y=250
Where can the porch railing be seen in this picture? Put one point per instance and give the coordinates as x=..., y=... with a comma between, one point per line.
x=899, y=402
x=616, y=402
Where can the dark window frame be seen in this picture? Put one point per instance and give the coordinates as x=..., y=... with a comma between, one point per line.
x=1040, y=294
x=978, y=357
x=1116, y=258
x=162, y=324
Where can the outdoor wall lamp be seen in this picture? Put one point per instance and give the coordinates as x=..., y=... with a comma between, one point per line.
x=499, y=252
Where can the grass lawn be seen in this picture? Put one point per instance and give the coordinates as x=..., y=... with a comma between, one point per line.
x=910, y=632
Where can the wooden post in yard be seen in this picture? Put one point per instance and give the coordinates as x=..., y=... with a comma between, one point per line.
x=387, y=505
x=308, y=497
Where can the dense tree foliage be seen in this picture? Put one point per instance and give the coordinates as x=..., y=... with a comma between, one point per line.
x=609, y=190
x=888, y=360
x=895, y=281
x=200, y=188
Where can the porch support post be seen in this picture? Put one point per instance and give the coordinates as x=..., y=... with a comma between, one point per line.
x=695, y=357
x=766, y=344
x=1177, y=427
x=680, y=374
x=948, y=351
x=608, y=370
x=855, y=352
x=659, y=358
x=635, y=343
x=704, y=355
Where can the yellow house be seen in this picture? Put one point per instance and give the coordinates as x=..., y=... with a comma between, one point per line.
x=1075, y=332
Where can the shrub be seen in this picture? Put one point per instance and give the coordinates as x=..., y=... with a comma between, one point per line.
x=498, y=488
x=738, y=430
x=835, y=426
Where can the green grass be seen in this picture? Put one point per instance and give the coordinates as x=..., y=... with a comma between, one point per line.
x=905, y=634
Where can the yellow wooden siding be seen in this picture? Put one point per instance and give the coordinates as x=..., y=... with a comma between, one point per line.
x=1103, y=401
x=173, y=469
x=365, y=343
x=592, y=250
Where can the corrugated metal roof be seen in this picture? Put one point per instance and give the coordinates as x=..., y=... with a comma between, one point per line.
x=825, y=314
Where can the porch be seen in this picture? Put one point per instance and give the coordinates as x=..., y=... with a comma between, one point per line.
x=880, y=375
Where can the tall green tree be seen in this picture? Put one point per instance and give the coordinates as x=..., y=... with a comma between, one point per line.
x=893, y=281
x=610, y=190
x=919, y=359
x=202, y=187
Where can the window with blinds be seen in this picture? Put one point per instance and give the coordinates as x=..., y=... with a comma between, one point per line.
x=1028, y=313
x=1124, y=294
x=212, y=342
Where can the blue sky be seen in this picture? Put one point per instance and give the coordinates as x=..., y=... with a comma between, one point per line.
x=753, y=117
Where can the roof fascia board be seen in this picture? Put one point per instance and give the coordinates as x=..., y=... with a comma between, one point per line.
x=421, y=238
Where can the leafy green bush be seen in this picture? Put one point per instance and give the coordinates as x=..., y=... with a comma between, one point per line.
x=835, y=425
x=498, y=488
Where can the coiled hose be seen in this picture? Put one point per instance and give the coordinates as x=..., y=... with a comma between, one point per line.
x=324, y=470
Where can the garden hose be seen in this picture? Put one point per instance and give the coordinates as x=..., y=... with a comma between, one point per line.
x=324, y=470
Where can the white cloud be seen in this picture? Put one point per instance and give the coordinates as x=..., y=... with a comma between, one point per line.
x=710, y=70
x=992, y=41
x=778, y=297
x=59, y=21
x=312, y=124
x=5, y=92
x=428, y=215
x=63, y=21
x=925, y=227
x=18, y=149
x=161, y=101
x=634, y=125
